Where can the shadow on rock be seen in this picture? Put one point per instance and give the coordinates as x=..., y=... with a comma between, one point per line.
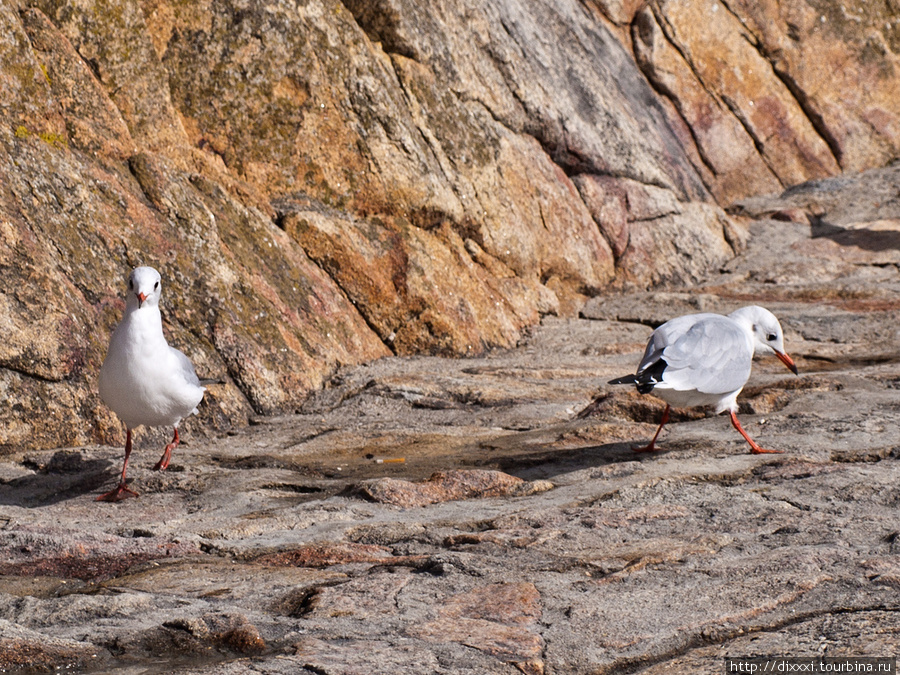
x=863, y=238
x=553, y=462
x=65, y=476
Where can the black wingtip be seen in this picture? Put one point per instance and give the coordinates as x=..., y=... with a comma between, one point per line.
x=626, y=379
x=646, y=379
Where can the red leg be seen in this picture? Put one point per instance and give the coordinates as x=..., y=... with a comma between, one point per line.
x=121, y=492
x=754, y=448
x=163, y=462
x=652, y=446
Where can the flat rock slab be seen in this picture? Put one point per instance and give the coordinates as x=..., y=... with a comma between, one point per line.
x=488, y=515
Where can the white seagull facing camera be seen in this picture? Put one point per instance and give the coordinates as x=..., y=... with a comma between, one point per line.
x=705, y=359
x=144, y=380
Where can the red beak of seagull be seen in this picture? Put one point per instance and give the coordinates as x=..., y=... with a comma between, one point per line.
x=788, y=361
x=142, y=297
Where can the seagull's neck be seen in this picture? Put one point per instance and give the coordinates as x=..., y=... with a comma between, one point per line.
x=144, y=324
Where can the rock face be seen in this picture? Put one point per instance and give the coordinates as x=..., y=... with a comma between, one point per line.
x=775, y=93
x=324, y=183
x=519, y=533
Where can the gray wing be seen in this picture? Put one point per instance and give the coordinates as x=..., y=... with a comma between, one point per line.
x=669, y=333
x=712, y=356
x=187, y=368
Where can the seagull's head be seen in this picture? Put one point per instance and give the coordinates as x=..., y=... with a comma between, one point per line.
x=144, y=288
x=768, y=338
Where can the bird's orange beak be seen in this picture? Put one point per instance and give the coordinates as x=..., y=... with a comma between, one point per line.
x=788, y=361
x=143, y=296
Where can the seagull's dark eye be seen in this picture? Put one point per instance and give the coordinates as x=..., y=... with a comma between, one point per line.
x=131, y=284
x=771, y=337
x=156, y=285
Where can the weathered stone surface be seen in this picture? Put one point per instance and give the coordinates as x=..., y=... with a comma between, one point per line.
x=22, y=650
x=93, y=124
x=324, y=184
x=775, y=93
x=448, y=485
x=38, y=552
x=326, y=555
x=257, y=551
x=750, y=129
x=840, y=63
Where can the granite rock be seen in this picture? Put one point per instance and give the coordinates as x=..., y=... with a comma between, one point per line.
x=528, y=538
x=319, y=184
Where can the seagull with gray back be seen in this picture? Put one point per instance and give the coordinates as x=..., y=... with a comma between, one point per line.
x=705, y=359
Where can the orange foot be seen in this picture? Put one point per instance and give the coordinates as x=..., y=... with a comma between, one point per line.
x=754, y=448
x=121, y=492
x=762, y=451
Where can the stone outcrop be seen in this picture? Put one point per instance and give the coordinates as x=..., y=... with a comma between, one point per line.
x=775, y=93
x=324, y=183
x=520, y=533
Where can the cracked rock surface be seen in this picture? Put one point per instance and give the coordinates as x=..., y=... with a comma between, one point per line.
x=487, y=515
